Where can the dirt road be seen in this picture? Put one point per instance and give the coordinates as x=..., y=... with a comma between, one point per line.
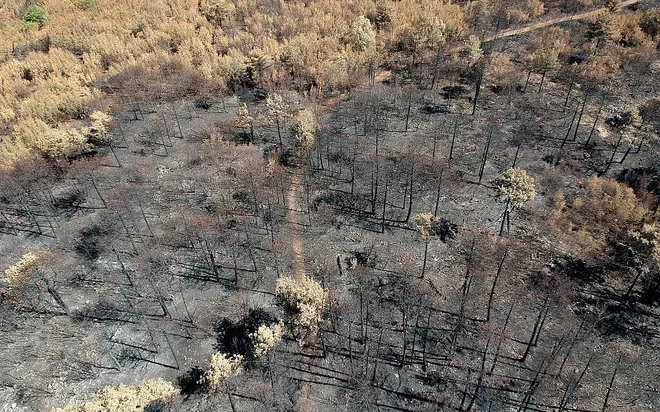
x=542, y=24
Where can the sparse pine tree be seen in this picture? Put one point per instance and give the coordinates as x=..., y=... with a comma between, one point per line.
x=604, y=29
x=278, y=111
x=518, y=188
x=472, y=51
x=304, y=128
x=383, y=14
x=245, y=119
x=430, y=32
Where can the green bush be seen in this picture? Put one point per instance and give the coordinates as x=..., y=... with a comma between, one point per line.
x=34, y=17
x=86, y=4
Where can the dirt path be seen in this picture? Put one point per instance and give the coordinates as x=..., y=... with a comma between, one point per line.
x=542, y=24
x=306, y=402
x=295, y=215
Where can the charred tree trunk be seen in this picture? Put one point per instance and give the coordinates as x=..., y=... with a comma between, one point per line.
x=614, y=152
x=437, y=195
x=501, y=339
x=535, y=331
x=609, y=387
x=410, y=196
x=505, y=216
x=477, y=92
x=593, y=127
x=570, y=89
x=515, y=157
x=570, y=128
x=453, y=139
x=484, y=156
x=426, y=251
x=492, y=289
x=579, y=120
x=628, y=293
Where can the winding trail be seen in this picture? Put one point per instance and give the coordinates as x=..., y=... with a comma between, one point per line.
x=542, y=24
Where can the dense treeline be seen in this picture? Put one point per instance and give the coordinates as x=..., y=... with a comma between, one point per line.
x=59, y=59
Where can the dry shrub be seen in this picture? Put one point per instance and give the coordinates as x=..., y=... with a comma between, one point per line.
x=222, y=367
x=168, y=79
x=125, y=398
x=265, y=338
x=20, y=272
x=602, y=211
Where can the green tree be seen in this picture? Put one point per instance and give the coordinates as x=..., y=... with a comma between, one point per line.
x=86, y=4
x=429, y=36
x=35, y=17
x=545, y=51
x=631, y=122
x=603, y=29
x=472, y=51
x=383, y=14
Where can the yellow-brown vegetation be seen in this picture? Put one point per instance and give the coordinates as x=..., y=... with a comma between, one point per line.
x=125, y=398
x=221, y=368
x=305, y=298
x=53, y=75
x=518, y=186
x=19, y=273
x=599, y=213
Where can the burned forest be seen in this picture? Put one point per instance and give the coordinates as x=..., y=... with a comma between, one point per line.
x=250, y=205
